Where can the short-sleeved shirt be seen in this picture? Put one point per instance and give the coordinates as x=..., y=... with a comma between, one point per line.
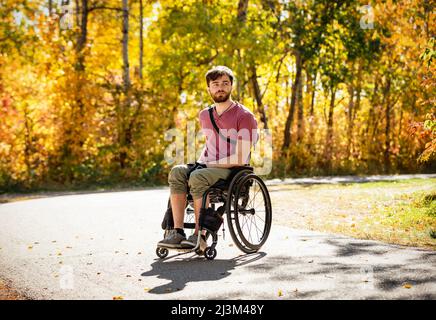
x=237, y=122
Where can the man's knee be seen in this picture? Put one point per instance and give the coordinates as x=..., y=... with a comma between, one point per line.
x=177, y=179
x=178, y=172
x=198, y=183
x=198, y=177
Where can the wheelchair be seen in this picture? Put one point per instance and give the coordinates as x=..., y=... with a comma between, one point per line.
x=243, y=197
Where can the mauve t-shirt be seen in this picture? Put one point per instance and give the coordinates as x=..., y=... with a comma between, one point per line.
x=237, y=122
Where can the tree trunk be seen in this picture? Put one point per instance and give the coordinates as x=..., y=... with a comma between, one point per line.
x=258, y=96
x=242, y=10
x=27, y=143
x=124, y=135
x=355, y=108
x=386, y=153
x=329, y=136
x=300, y=113
x=71, y=154
x=290, y=117
x=81, y=41
x=242, y=18
x=374, y=100
x=50, y=8
x=311, y=91
x=126, y=77
x=350, y=121
x=141, y=38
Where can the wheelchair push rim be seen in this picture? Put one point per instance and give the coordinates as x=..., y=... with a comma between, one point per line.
x=249, y=220
x=252, y=215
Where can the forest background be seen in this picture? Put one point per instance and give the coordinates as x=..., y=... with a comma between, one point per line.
x=89, y=88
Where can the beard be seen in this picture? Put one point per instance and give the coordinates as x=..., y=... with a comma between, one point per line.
x=221, y=97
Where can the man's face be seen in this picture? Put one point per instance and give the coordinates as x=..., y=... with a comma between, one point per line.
x=220, y=89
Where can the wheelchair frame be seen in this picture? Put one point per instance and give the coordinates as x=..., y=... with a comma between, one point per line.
x=236, y=187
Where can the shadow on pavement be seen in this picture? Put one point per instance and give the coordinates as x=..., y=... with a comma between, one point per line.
x=194, y=269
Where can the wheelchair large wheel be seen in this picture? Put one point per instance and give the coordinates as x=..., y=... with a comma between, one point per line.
x=250, y=216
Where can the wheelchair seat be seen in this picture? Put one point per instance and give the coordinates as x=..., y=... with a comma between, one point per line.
x=224, y=184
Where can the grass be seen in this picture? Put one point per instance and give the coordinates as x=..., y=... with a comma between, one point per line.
x=406, y=219
x=399, y=212
x=411, y=220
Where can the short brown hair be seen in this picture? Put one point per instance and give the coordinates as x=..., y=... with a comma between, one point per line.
x=217, y=72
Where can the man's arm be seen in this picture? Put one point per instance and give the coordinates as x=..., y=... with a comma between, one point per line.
x=239, y=158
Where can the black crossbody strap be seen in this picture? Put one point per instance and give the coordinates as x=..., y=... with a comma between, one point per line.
x=217, y=129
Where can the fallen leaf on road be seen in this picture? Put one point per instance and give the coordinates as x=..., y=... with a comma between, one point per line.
x=407, y=286
x=310, y=261
x=147, y=289
x=59, y=254
x=30, y=247
x=280, y=293
x=117, y=298
x=128, y=276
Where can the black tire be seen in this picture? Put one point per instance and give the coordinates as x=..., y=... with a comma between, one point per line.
x=162, y=252
x=252, y=215
x=210, y=253
x=231, y=212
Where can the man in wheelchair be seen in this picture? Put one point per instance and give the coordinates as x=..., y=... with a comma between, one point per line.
x=230, y=130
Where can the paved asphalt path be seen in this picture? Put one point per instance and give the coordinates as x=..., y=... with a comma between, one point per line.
x=102, y=245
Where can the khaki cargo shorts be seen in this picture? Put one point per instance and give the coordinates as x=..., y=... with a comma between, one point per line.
x=199, y=181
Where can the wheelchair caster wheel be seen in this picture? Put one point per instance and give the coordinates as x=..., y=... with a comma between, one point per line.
x=210, y=253
x=162, y=252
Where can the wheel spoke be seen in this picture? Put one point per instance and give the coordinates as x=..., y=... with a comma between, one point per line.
x=257, y=229
x=251, y=218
